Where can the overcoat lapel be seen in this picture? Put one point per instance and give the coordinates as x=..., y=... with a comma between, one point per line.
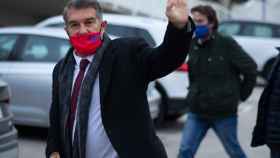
x=105, y=73
x=66, y=73
x=86, y=94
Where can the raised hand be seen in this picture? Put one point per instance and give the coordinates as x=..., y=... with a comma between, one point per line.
x=177, y=12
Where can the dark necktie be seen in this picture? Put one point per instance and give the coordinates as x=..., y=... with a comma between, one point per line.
x=75, y=94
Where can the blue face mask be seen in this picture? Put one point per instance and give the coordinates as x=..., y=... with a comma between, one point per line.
x=201, y=31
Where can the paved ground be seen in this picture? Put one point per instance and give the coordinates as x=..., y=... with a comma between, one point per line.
x=32, y=140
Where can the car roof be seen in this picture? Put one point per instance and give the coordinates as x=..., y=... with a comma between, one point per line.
x=133, y=20
x=116, y=18
x=51, y=20
x=50, y=32
x=154, y=26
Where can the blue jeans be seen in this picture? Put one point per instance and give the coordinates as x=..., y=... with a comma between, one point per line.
x=196, y=128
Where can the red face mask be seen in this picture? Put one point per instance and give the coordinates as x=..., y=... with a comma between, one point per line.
x=86, y=44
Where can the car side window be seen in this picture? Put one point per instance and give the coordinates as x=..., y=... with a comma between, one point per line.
x=127, y=31
x=44, y=49
x=230, y=28
x=7, y=43
x=258, y=31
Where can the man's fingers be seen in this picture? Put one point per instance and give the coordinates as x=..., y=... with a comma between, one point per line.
x=170, y=4
x=177, y=12
x=175, y=3
x=182, y=2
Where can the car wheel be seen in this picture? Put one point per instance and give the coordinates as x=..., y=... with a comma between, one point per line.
x=267, y=68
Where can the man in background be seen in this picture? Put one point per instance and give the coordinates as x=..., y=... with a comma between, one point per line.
x=267, y=129
x=221, y=75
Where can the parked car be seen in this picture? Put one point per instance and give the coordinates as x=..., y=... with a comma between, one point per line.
x=258, y=39
x=27, y=58
x=173, y=87
x=8, y=133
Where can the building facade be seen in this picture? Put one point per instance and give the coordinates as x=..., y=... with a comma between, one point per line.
x=27, y=12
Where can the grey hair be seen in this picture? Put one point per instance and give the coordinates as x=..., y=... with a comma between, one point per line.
x=82, y=4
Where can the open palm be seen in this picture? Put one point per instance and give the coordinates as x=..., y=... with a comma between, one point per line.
x=177, y=12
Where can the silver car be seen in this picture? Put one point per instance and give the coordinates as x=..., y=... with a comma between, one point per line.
x=8, y=133
x=27, y=59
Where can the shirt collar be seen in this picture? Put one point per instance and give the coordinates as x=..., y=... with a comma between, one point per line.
x=78, y=58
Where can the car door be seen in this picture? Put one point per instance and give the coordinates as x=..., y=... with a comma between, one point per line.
x=30, y=78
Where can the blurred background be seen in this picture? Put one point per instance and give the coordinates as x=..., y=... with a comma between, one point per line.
x=14, y=12
x=32, y=40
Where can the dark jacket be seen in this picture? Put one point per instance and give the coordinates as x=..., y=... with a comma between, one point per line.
x=221, y=74
x=127, y=67
x=267, y=129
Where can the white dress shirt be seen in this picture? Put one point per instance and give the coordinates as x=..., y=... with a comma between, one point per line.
x=98, y=144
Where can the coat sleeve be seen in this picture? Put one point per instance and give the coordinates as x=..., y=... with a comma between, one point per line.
x=258, y=136
x=162, y=60
x=245, y=65
x=53, y=140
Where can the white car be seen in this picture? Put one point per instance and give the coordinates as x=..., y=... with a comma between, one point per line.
x=173, y=87
x=258, y=39
x=27, y=58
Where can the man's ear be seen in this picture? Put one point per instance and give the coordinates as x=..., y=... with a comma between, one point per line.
x=65, y=28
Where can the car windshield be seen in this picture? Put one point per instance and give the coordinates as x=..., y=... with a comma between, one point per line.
x=230, y=28
x=127, y=31
x=251, y=29
x=56, y=25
